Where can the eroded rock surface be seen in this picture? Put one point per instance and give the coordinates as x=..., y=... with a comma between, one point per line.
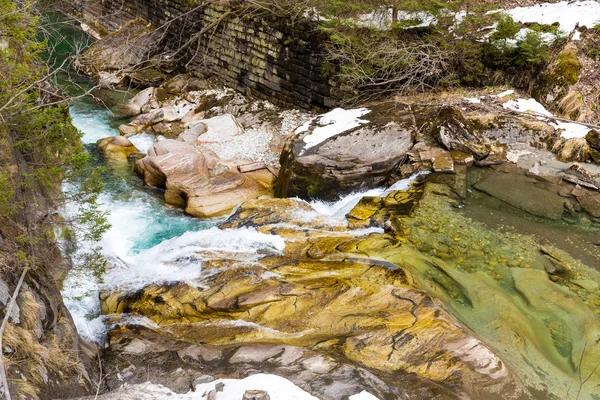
x=387, y=303
x=195, y=179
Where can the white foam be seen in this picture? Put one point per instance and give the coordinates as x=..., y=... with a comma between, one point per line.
x=179, y=259
x=336, y=211
x=143, y=141
x=331, y=124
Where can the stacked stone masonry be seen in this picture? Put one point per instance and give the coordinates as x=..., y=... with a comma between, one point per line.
x=269, y=59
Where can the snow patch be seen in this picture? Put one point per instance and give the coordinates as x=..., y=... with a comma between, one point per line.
x=278, y=388
x=571, y=130
x=473, y=100
x=576, y=35
x=527, y=106
x=567, y=13
x=331, y=124
x=364, y=395
x=505, y=93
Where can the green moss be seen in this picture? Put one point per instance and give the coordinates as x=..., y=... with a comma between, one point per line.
x=568, y=66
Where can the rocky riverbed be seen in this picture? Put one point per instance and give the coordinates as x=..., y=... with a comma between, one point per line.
x=385, y=251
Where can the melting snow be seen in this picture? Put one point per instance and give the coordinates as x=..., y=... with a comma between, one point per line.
x=364, y=395
x=505, y=93
x=278, y=388
x=331, y=124
x=527, y=106
x=571, y=130
x=567, y=13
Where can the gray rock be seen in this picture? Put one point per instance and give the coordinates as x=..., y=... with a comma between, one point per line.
x=256, y=395
x=219, y=386
x=202, y=379
x=360, y=158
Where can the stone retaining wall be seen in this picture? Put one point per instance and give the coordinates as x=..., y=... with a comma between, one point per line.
x=269, y=59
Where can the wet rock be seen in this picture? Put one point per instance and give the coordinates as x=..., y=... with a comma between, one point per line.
x=590, y=203
x=441, y=160
x=593, y=139
x=134, y=106
x=147, y=77
x=116, y=148
x=360, y=158
x=516, y=190
x=256, y=395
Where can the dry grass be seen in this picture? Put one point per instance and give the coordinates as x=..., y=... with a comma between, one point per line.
x=31, y=311
x=570, y=105
x=576, y=149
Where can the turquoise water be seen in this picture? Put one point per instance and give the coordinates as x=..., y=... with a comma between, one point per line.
x=139, y=219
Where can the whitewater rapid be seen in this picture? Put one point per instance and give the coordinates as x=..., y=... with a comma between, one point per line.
x=149, y=241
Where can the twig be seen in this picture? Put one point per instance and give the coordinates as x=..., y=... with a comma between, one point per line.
x=11, y=304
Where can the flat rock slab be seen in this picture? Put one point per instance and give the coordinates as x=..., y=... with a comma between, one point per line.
x=520, y=192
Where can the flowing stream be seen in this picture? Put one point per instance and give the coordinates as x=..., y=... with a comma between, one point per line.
x=148, y=241
x=151, y=242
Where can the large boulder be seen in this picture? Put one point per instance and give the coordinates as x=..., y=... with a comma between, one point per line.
x=113, y=59
x=341, y=152
x=133, y=106
x=116, y=148
x=195, y=179
x=449, y=127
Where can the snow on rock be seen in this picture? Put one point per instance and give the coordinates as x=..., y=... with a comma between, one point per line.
x=364, y=395
x=567, y=13
x=278, y=388
x=571, y=130
x=505, y=93
x=527, y=106
x=331, y=124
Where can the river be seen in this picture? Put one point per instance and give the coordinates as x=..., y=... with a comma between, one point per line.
x=151, y=242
